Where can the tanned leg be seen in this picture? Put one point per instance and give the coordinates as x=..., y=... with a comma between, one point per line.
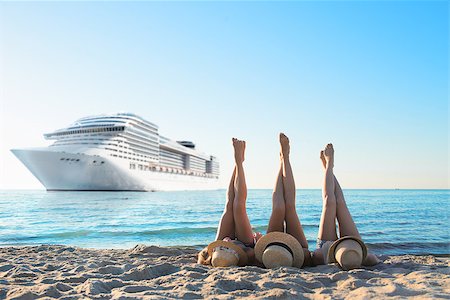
x=346, y=224
x=293, y=225
x=327, y=226
x=226, y=225
x=243, y=228
x=276, y=222
x=344, y=218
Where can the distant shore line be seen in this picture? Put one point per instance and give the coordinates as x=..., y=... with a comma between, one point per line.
x=222, y=189
x=194, y=248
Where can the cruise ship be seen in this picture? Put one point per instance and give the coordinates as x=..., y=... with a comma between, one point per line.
x=118, y=152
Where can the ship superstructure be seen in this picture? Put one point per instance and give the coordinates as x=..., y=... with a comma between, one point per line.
x=119, y=151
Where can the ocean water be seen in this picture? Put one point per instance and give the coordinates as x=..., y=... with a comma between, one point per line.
x=390, y=221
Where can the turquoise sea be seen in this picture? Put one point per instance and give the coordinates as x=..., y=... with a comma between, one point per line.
x=390, y=221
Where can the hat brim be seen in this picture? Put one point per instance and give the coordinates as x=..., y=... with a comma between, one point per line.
x=243, y=257
x=332, y=249
x=283, y=238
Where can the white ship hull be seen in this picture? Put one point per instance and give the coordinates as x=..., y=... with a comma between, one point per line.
x=64, y=171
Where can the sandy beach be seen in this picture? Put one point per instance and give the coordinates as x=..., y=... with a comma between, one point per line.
x=171, y=273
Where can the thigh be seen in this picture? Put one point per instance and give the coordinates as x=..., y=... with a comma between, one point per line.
x=226, y=226
x=276, y=222
x=327, y=226
x=243, y=229
x=345, y=220
x=294, y=227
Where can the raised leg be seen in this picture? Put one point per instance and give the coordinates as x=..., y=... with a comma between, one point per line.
x=276, y=222
x=242, y=226
x=327, y=226
x=293, y=225
x=226, y=225
x=346, y=224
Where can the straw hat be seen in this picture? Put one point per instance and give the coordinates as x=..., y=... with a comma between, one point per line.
x=349, y=252
x=277, y=249
x=225, y=254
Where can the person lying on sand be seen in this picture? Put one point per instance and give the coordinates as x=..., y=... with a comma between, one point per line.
x=235, y=238
x=285, y=243
x=348, y=251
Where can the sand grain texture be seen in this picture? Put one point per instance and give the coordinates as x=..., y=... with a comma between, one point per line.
x=150, y=272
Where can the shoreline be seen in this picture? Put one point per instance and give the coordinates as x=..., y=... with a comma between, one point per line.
x=199, y=247
x=67, y=272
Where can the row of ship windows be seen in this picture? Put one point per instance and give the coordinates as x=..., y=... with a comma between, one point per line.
x=143, y=136
x=170, y=154
x=120, y=128
x=175, y=170
x=84, y=142
x=69, y=159
x=196, y=159
x=198, y=167
x=131, y=158
x=146, y=126
x=173, y=160
x=169, y=170
x=169, y=165
x=134, y=154
x=177, y=160
x=144, y=150
x=77, y=160
x=182, y=167
x=140, y=142
x=137, y=123
x=150, y=152
x=78, y=141
x=92, y=137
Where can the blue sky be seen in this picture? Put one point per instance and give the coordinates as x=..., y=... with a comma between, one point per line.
x=371, y=77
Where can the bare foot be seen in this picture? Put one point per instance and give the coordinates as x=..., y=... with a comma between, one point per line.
x=322, y=158
x=239, y=149
x=285, y=147
x=328, y=152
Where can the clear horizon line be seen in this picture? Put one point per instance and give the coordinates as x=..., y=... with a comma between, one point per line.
x=223, y=189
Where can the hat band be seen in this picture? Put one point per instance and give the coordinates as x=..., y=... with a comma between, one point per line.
x=281, y=245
